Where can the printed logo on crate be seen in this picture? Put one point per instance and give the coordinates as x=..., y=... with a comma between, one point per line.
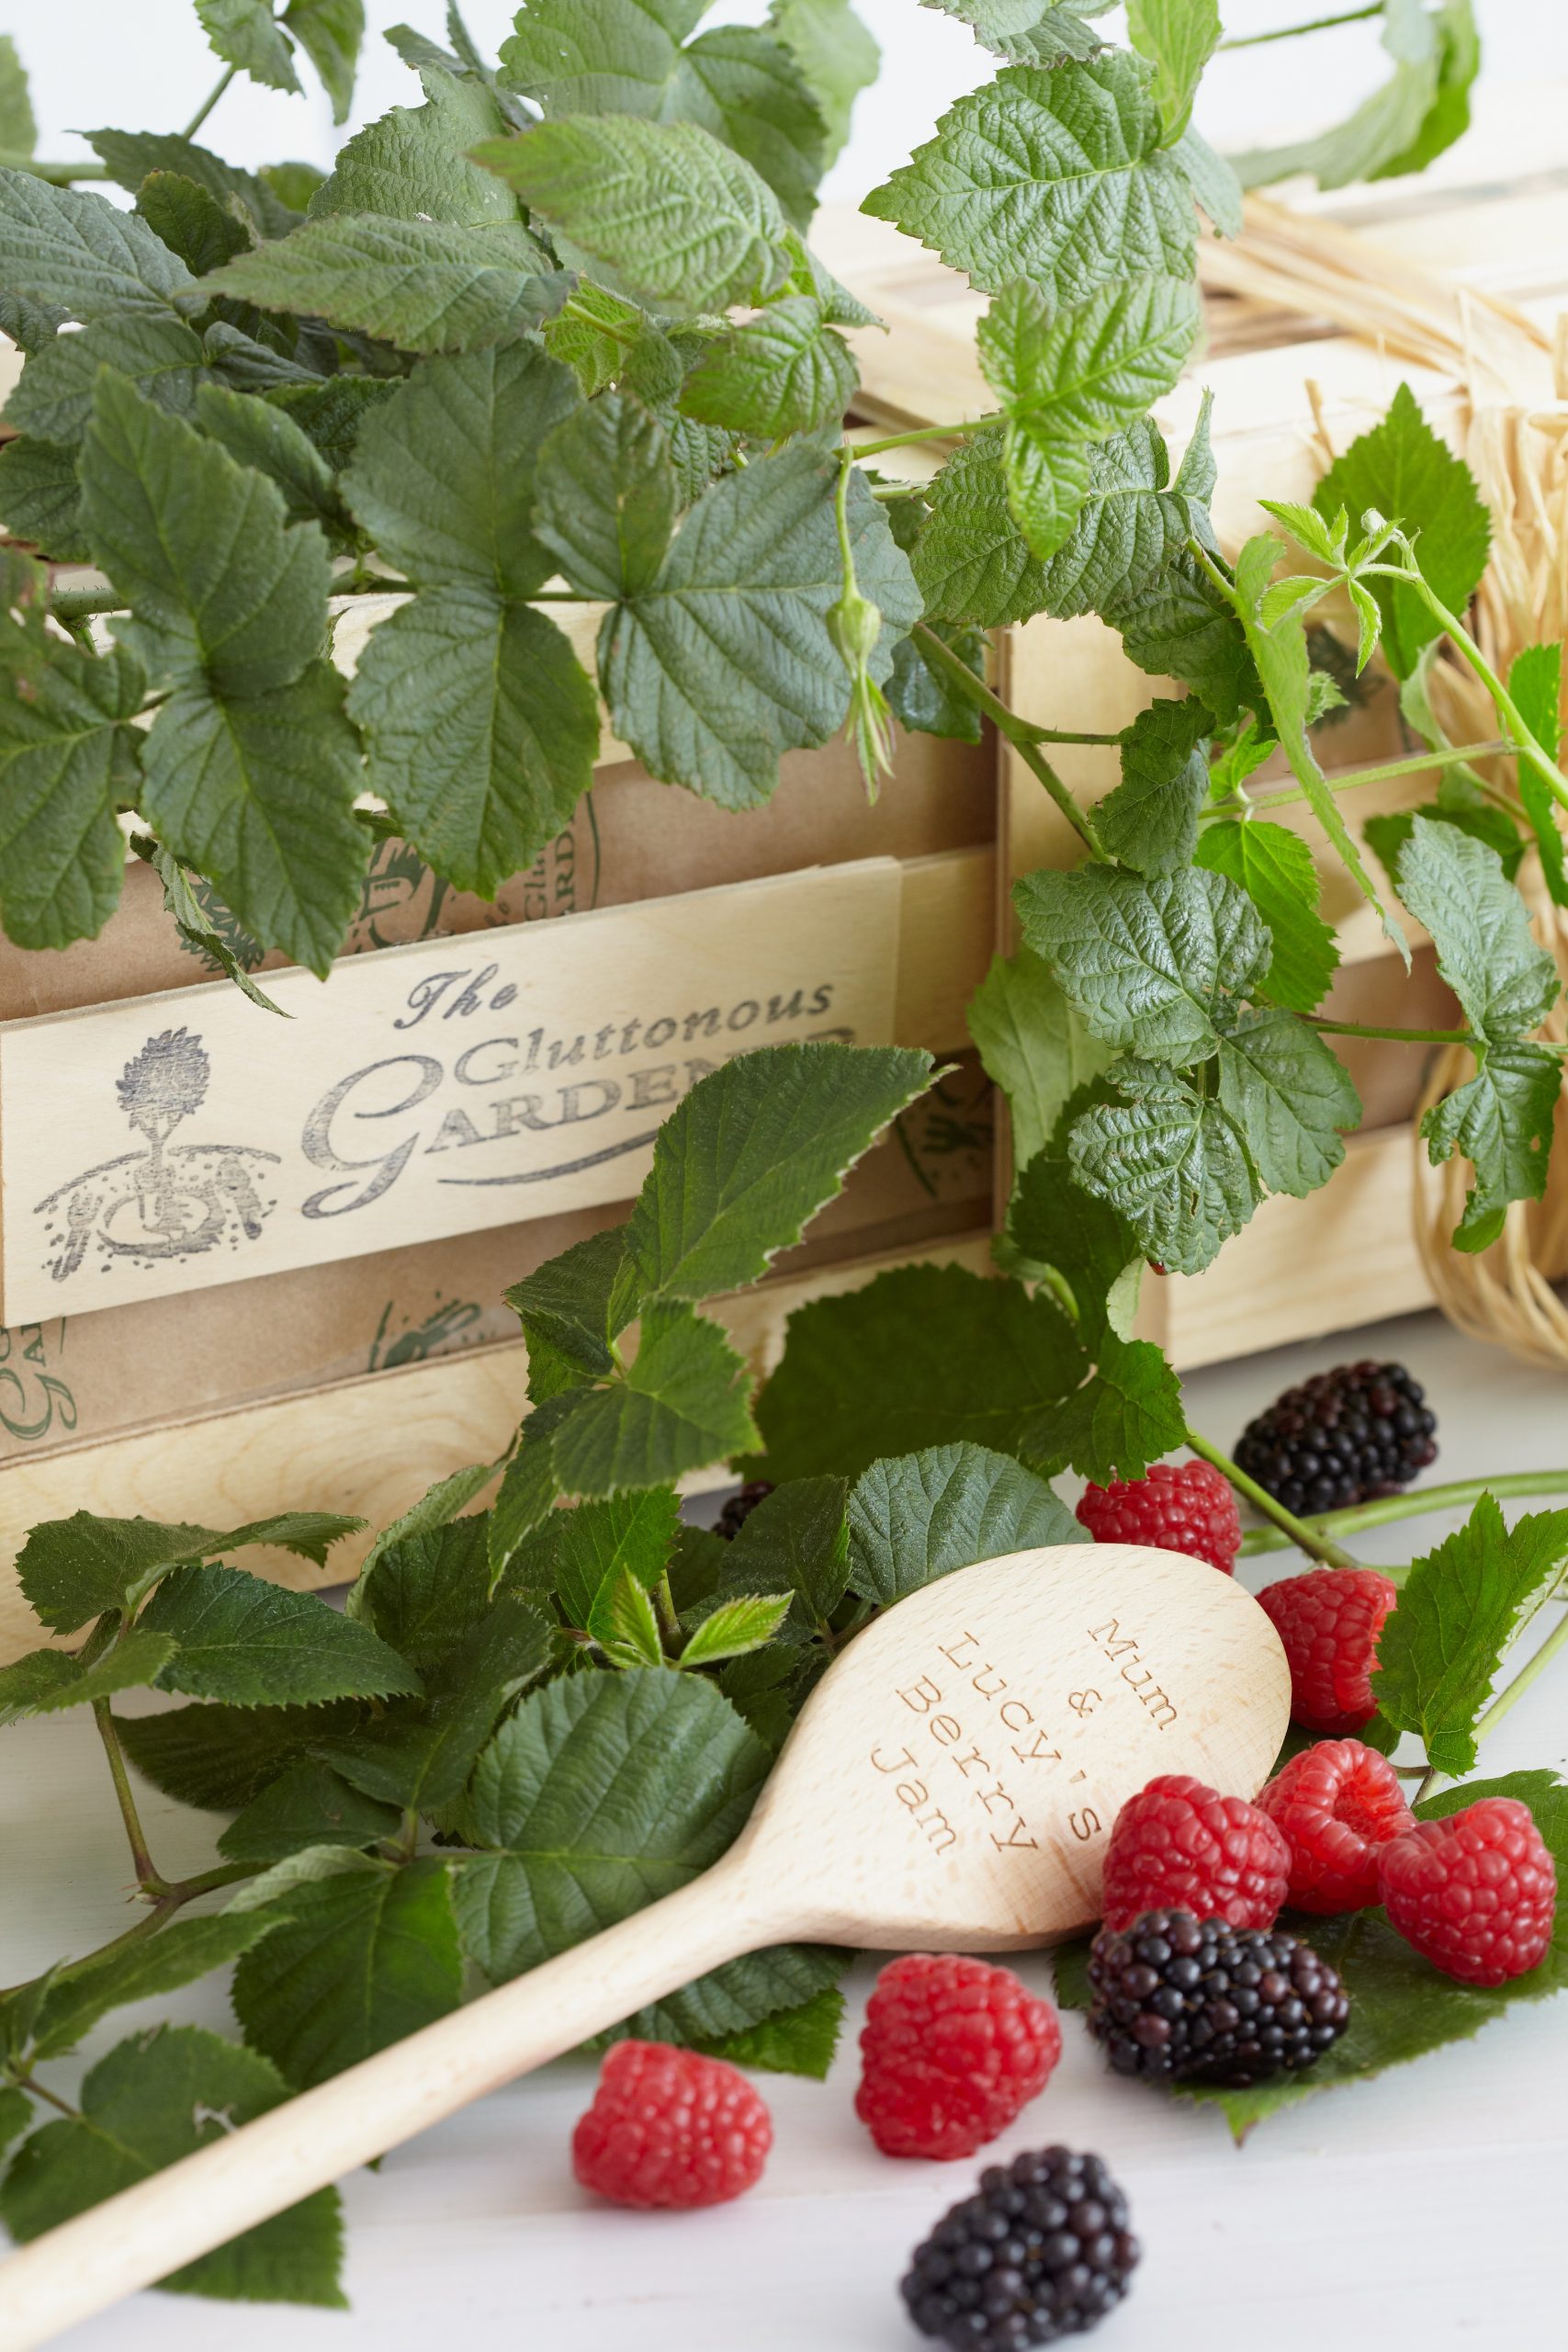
x=432, y=1090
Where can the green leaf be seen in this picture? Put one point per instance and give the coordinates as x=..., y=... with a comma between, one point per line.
x=1402, y=470
x=19, y=130
x=1150, y=821
x=1177, y=37
x=921, y=1517
x=798, y=2042
x=1055, y=176
x=74, y=1569
x=835, y=55
x=602, y=1793
x=1459, y=1608
x=529, y=1486
x=1420, y=110
x=1033, y=1045
x=359, y=1961
x=747, y=1158
x=1176, y=624
x=67, y=760
x=329, y=32
x=1172, y=1163
x=16, y=2113
x=796, y=1541
x=743, y=1996
x=256, y=792
x=191, y=222
x=682, y=1405
x=423, y=284
x=735, y=1627
x=426, y=1586
x=923, y=698
x=134, y=156
x=1291, y=1098
x=785, y=372
x=623, y=1623
x=308, y=1804
x=578, y=1553
x=608, y=497
x=412, y=163
x=258, y=434
x=1127, y=1415
x=253, y=1644
x=41, y=499
x=1053, y=1222
x=922, y=1356
x=684, y=222
x=1213, y=180
x=332, y=413
x=755, y=561
x=42, y=1681
x=156, y=2098
x=1031, y=33
x=572, y=1307
x=80, y=255
x=1535, y=687
x=177, y=1955
x=1275, y=867
x=222, y=1757
x=1147, y=962
x=159, y=352
x=436, y=1507
x=245, y=33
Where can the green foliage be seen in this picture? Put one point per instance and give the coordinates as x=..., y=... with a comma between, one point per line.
x=1033, y=1045
x=735, y=1628
x=1275, y=867
x=421, y=284
x=80, y=257
x=412, y=163
x=308, y=1804
x=785, y=372
x=1029, y=32
x=835, y=55
x=1422, y=107
x=1535, y=686
x=1177, y=37
x=254, y=1644
x=42, y=1681
x=913, y=1520
x=68, y=755
x=1150, y=821
x=73, y=1569
x=797, y=1542
x=187, y=1949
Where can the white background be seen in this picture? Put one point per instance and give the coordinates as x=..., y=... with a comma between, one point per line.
x=143, y=65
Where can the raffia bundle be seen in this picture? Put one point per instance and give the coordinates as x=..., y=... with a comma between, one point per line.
x=1513, y=379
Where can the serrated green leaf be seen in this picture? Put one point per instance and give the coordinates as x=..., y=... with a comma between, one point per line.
x=744, y=1997
x=221, y=1758
x=922, y=1356
x=423, y=284
x=1275, y=867
x=682, y=1405
x=426, y=1585
x=308, y=1804
x=1459, y=1608
x=41, y=499
x=602, y=1793
x=1031, y=33
x=594, y=334
x=1171, y=1161
x=837, y=57
x=177, y=1955
x=796, y=2041
x=796, y=1541
x=608, y=496
x=1421, y=110
x=572, y=1307
x=329, y=32
x=259, y=434
x=1055, y=176
x=134, y=156
x=79, y=255
x=1501, y=1121
x=436, y=1507
x=1033, y=1045
x=250, y=1644
x=1125, y=1417
x=191, y=222
x=622, y=1623
x=747, y=1158
x=577, y=1553
x=156, y=2098
x=785, y=372
x=1150, y=820
x=529, y=1486
x=42, y=1681
x=1052, y=1221
x=1291, y=1098
x=67, y=761
x=332, y=413
x=412, y=163
x=246, y=34
x=16, y=2114
x=306, y=1868
x=1535, y=688
x=684, y=221
x=18, y=129
x=1147, y=962
x=924, y=698
x=922, y=1516
x=732, y=1628
x=162, y=356
x=1177, y=37
x=1402, y=470
x=74, y=1569
x=1175, y=623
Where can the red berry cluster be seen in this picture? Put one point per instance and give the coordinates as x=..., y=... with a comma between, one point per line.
x=1180, y=1507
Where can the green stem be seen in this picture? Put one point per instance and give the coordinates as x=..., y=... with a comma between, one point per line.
x=1450, y=757
x=1316, y=1546
x=58, y=175
x=1017, y=731
x=35, y=2090
x=664, y=1600
x=922, y=433
x=1397, y=1036
x=1458, y=1494
x=69, y=606
x=147, y=1878
x=199, y=117
x=1531, y=1671
x=841, y=518
x=1429, y=1779
x=1313, y=25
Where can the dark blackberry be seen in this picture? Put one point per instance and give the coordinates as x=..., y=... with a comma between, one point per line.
x=1181, y=1999
x=1043, y=2250
x=739, y=1509
x=1343, y=1437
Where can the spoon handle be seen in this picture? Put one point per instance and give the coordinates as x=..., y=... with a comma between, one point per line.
x=244, y=2177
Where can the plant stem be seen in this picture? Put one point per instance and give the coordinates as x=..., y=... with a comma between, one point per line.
x=147, y=1877
x=1429, y=1779
x=199, y=117
x=59, y=175
x=1533, y=1667
x=1313, y=25
x=1306, y=1539
x=69, y=606
x=1017, y=731
x=1460, y=1494
x=921, y=432
x=35, y=2090
x=1449, y=756
x=664, y=1600
x=1397, y=1036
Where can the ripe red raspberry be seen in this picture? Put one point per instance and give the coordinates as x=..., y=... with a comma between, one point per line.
x=952, y=2050
x=1336, y=1805
x=668, y=2127
x=1180, y=1506
x=1178, y=1845
x=1475, y=1892
x=1329, y=1622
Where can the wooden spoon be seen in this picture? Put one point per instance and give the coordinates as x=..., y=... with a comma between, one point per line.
x=951, y=1783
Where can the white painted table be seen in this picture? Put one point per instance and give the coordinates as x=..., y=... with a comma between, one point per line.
x=1425, y=2207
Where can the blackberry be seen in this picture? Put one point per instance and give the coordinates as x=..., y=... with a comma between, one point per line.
x=1343, y=1437
x=1181, y=1999
x=1043, y=2250
x=739, y=1509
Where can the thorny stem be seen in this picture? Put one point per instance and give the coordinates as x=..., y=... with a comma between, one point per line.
x=1317, y=1547
x=69, y=606
x=147, y=1878
x=1458, y=1494
x=205, y=109
x=1019, y=733
x=1313, y=25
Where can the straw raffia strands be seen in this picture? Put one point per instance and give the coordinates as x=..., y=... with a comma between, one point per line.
x=1513, y=380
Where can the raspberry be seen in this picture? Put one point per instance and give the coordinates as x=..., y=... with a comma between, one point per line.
x=1336, y=1803
x=1042, y=2251
x=952, y=2049
x=1192, y=2000
x=739, y=1509
x=1329, y=1622
x=1342, y=1437
x=1178, y=1845
x=1181, y=1505
x=668, y=2127
x=1475, y=1892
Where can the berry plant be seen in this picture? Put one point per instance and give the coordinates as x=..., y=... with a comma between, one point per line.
x=547, y=359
